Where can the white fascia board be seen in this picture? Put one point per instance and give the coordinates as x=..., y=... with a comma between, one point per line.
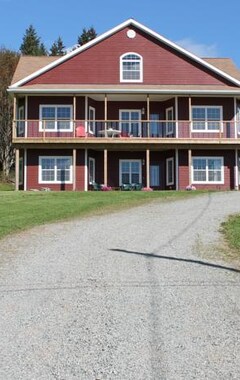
x=114, y=30
x=123, y=91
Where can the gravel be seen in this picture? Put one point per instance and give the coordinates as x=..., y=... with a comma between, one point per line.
x=142, y=294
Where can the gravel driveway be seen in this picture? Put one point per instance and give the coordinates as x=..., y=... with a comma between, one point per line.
x=136, y=295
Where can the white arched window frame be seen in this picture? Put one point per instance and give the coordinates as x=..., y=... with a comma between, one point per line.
x=131, y=67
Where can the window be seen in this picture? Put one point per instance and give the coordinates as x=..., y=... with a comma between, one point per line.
x=206, y=119
x=207, y=170
x=154, y=125
x=130, y=122
x=154, y=175
x=170, y=171
x=130, y=172
x=21, y=122
x=91, y=118
x=131, y=68
x=169, y=122
x=55, y=169
x=20, y=171
x=91, y=170
x=56, y=118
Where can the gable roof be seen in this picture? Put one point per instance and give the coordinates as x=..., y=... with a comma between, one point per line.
x=55, y=61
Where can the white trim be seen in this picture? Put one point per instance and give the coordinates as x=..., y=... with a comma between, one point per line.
x=122, y=80
x=130, y=120
x=111, y=32
x=91, y=159
x=168, y=160
x=86, y=112
x=40, y=158
x=92, y=121
x=169, y=131
x=86, y=170
x=206, y=121
x=236, y=173
x=55, y=129
x=21, y=172
x=235, y=117
x=26, y=116
x=21, y=124
x=25, y=170
x=208, y=158
x=176, y=116
x=129, y=160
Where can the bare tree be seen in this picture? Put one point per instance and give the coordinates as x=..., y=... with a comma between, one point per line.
x=8, y=62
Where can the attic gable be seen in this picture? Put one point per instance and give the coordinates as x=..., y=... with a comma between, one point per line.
x=98, y=62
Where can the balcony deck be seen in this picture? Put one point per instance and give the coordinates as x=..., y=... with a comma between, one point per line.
x=125, y=133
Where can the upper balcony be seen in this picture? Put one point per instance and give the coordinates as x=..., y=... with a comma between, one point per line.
x=39, y=131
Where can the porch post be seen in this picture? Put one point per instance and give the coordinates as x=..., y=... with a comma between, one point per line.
x=235, y=117
x=147, y=168
x=74, y=169
x=105, y=112
x=25, y=171
x=86, y=113
x=74, y=116
x=86, y=170
x=190, y=166
x=17, y=169
x=190, y=116
x=26, y=116
x=236, y=175
x=105, y=167
x=148, y=114
x=14, y=125
x=176, y=116
x=177, y=169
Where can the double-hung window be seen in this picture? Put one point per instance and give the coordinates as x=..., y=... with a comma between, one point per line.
x=207, y=170
x=56, y=118
x=130, y=172
x=55, y=169
x=206, y=118
x=131, y=68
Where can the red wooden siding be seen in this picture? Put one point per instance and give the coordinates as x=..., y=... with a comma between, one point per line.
x=229, y=159
x=32, y=170
x=100, y=64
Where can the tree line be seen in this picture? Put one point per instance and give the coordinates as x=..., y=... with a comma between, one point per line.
x=33, y=46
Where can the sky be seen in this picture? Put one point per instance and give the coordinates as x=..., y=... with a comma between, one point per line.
x=207, y=28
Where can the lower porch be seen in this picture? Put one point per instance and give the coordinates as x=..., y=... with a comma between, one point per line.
x=169, y=169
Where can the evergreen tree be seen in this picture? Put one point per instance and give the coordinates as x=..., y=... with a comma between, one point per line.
x=86, y=36
x=31, y=44
x=57, y=47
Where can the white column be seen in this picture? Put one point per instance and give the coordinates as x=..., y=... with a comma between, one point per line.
x=14, y=125
x=176, y=116
x=74, y=169
x=86, y=113
x=74, y=116
x=17, y=169
x=190, y=115
x=86, y=170
x=236, y=175
x=190, y=166
x=105, y=167
x=235, y=117
x=147, y=168
x=26, y=116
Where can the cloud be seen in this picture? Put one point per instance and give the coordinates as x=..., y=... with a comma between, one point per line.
x=201, y=50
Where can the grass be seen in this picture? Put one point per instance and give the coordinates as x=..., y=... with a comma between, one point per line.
x=231, y=230
x=23, y=210
x=6, y=186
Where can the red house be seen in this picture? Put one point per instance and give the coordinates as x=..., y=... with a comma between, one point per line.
x=129, y=107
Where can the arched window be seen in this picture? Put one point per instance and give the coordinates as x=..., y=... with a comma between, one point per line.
x=131, y=68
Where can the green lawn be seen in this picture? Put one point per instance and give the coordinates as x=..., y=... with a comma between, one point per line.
x=6, y=186
x=231, y=230
x=22, y=210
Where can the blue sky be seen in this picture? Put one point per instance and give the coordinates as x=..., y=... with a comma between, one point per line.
x=207, y=27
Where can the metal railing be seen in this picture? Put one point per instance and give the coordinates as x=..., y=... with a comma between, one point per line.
x=152, y=129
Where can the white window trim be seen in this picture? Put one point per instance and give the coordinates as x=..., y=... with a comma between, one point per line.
x=171, y=159
x=55, y=129
x=21, y=120
x=92, y=121
x=131, y=121
x=121, y=68
x=207, y=181
x=120, y=169
x=91, y=159
x=55, y=158
x=206, y=130
x=168, y=130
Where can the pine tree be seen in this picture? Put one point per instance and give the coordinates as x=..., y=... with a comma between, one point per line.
x=31, y=44
x=86, y=36
x=57, y=47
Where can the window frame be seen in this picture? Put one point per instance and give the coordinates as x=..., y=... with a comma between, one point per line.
x=207, y=158
x=21, y=121
x=92, y=122
x=55, y=129
x=130, y=121
x=55, y=181
x=130, y=173
x=170, y=160
x=140, y=68
x=93, y=161
x=206, y=121
x=169, y=122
